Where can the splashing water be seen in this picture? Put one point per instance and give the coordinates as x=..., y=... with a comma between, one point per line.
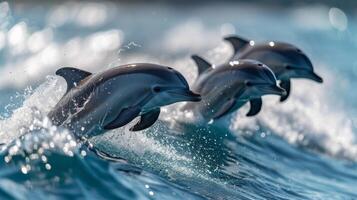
x=307, y=120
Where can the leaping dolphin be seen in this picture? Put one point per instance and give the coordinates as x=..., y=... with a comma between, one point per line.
x=224, y=89
x=286, y=60
x=108, y=100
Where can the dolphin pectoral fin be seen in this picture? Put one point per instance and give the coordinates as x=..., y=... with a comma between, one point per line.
x=237, y=42
x=146, y=120
x=286, y=85
x=201, y=63
x=255, y=107
x=225, y=109
x=124, y=117
x=72, y=76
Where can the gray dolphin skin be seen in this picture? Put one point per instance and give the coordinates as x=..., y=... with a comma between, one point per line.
x=108, y=100
x=285, y=60
x=224, y=89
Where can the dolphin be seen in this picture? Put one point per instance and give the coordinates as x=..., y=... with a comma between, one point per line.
x=95, y=103
x=224, y=89
x=285, y=60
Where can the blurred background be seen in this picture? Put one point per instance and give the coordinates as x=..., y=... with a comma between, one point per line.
x=38, y=37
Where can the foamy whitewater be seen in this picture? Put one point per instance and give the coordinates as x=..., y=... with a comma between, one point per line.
x=304, y=148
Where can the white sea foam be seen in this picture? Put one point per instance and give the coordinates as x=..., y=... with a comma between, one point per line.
x=41, y=100
x=28, y=134
x=143, y=149
x=309, y=118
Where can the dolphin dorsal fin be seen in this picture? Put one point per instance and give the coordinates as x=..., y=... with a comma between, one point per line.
x=237, y=42
x=72, y=76
x=201, y=63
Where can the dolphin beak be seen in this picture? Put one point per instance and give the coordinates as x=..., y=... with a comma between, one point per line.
x=273, y=89
x=313, y=76
x=185, y=95
x=278, y=90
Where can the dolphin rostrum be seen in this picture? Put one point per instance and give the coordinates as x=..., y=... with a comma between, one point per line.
x=285, y=60
x=224, y=89
x=108, y=100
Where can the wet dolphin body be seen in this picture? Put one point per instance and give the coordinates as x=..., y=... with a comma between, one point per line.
x=95, y=103
x=285, y=60
x=224, y=89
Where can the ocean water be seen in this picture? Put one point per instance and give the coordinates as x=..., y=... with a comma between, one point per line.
x=305, y=148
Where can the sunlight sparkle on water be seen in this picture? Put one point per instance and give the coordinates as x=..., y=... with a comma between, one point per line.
x=48, y=166
x=338, y=19
x=2, y=40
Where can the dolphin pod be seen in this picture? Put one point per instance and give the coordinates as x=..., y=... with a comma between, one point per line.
x=226, y=88
x=95, y=103
x=285, y=60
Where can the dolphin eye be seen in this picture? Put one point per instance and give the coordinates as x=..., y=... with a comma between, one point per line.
x=288, y=67
x=260, y=65
x=169, y=68
x=248, y=83
x=298, y=50
x=156, y=89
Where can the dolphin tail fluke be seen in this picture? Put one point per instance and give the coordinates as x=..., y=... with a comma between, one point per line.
x=146, y=120
x=124, y=117
x=72, y=76
x=286, y=85
x=255, y=107
x=237, y=42
x=201, y=63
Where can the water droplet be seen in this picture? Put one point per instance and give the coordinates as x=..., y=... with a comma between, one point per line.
x=338, y=19
x=44, y=158
x=24, y=169
x=7, y=159
x=48, y=166
x=262, y=135
x=83, y=153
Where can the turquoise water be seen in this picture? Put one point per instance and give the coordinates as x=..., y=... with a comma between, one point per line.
x=305, y=148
